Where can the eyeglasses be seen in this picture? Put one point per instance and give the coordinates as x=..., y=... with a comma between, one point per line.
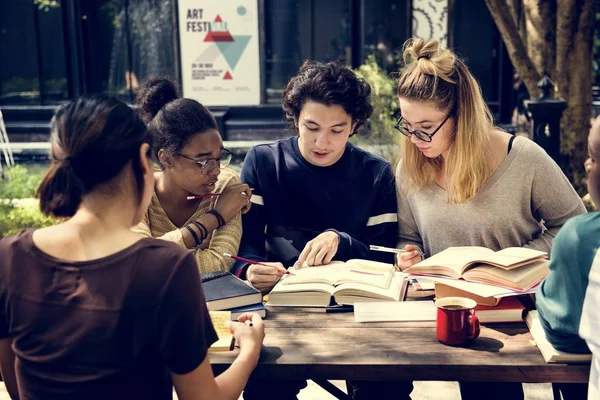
x=426, y=137
x=207, y=166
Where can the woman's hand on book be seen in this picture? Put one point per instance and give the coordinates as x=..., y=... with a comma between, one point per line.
x=265, y=275
x=410, y=258
x=320, y=250
x=249, y=334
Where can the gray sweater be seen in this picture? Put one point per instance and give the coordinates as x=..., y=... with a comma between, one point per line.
x=523, y=204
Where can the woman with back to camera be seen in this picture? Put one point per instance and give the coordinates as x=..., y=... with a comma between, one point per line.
x=463, y=182
x=193, y=165
x=90, y=309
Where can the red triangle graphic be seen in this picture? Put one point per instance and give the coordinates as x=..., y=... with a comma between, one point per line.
x=227, y=76
x=218, y=36
x=218, y=19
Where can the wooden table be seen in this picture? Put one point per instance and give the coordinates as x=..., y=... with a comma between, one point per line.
x=319, y=346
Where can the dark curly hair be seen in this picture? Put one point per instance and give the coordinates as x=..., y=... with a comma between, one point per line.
x=171, y=120
x=330, y=84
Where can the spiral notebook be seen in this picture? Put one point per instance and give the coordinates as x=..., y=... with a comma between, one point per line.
x=224, y=290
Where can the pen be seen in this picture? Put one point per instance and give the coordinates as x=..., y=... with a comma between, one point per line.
x=251, y=262
x=396, y=251
x=202, y=196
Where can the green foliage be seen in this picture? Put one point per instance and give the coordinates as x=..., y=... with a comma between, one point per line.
x=19, y=183
x=18, y=211
x=46, y=5
x=14, y=219
x=379, y=135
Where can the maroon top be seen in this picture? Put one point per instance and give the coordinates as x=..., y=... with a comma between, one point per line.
x=110, y=328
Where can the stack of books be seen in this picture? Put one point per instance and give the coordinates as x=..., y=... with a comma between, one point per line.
x=492, y=279
x=225, y=291
x=513, y=268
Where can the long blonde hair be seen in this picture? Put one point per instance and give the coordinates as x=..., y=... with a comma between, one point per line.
x=434, y=74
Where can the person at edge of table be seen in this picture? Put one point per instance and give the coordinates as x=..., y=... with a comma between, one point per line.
x=193, y=162
x=568, y=300
x=317, y=197
x=463, y=182
x=90, y=309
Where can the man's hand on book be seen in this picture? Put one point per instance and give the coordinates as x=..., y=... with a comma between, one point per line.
x=410, y=258
x=320, y=250
x=265, y=275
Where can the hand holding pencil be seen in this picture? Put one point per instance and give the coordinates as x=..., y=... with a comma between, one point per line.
x=262, y=275
x=406, y=257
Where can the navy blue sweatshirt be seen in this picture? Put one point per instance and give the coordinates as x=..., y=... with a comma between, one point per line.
x=294, y=201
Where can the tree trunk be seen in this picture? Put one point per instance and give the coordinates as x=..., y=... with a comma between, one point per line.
x=540, y=17
x=576, y=88
x=515, y=45
x=558, y=40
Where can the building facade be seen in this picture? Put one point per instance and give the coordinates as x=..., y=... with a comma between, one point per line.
x=55, y=50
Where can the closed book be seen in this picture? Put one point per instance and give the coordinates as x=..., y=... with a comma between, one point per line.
x=550, y=354
x=259, y=309
x=509, y=309
x=442, y=290
x=224, y=291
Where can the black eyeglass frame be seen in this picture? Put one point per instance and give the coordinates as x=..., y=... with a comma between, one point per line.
x=207, y=166
x=424, y=136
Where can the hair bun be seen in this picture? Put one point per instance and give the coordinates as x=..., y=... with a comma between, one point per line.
x=441, y=61
x=154, y=94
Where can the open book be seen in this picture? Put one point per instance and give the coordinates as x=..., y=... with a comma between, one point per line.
x=516, y=268
x=339, y=283
x=550, y=354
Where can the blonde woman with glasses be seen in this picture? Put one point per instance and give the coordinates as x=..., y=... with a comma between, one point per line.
x=463, y=182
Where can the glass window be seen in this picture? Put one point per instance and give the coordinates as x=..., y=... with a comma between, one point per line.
x=296, y=30
x=32, y=70
x=129, y=40
x=386, y=29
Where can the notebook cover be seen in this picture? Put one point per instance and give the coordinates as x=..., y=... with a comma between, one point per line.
x=259, y=309
x=223, y=291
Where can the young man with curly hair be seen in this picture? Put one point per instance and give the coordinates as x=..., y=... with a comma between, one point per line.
x=317, y=197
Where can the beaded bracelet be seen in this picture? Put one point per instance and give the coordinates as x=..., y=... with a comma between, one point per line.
x=194, y=235
x=218, y=216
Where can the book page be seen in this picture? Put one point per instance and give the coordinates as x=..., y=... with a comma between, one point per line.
x=512, y=257
x=395, y=312
x=349, y=293
x=219, y=320
x=337, y=272
x=449, y=262
x=521, y=278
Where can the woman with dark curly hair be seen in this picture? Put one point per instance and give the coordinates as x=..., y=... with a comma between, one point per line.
x=317, y=197
x=197, y=200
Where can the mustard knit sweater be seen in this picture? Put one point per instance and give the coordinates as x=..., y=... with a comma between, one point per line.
x=209, y=253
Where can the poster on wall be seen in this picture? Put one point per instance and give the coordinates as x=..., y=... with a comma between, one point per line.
x=219, y=51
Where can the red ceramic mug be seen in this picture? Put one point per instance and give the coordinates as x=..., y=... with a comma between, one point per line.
x=456, y=320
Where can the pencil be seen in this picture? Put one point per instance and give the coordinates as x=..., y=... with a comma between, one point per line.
x=252, y=262
x=391, y=250
x=202, y=196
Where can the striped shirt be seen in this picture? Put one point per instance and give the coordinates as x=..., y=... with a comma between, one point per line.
x=294, y=201
x=209, y=254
